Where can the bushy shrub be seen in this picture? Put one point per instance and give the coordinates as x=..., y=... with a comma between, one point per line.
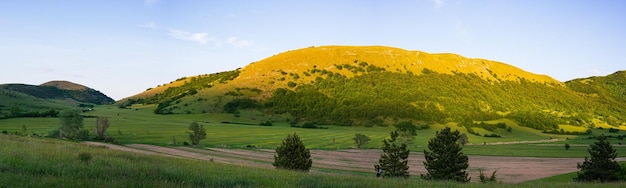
x=309, y=125
x=266, y=123
x=494, y=135
x=293, y=155
x=484, y=179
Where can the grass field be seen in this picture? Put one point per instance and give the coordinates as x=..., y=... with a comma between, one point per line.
x=141, y=125
x=42, y=162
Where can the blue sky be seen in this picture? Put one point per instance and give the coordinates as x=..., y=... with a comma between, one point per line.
x=122, y=47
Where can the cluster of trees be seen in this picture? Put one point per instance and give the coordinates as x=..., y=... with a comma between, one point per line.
x=384, y=95
x=73, y=128
x=16, y=112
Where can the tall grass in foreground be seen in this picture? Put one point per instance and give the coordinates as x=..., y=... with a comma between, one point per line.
x=32, y=162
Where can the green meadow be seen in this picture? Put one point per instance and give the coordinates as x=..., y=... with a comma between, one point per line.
x=140, y=125
x=44, y=162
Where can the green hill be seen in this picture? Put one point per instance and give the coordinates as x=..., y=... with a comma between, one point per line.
x=21, y=100
x=375, y=85
x=609, y=90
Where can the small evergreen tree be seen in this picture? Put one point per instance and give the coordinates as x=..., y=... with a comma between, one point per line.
x=445, y=160
x=602, y=165
x=394, y=160
x=360, y=139
x=293, y=155
x=197, y=133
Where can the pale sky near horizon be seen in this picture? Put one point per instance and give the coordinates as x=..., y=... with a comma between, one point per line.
x=123, y=47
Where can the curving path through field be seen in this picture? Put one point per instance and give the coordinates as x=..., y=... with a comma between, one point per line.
x=509, y=169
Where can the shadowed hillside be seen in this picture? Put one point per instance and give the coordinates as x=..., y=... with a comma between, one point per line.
x=377, y=85
x=21, y=100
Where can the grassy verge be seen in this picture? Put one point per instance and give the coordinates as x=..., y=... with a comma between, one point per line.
x=36, y=162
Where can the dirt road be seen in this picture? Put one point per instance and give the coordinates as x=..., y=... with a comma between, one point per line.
x=510, y=169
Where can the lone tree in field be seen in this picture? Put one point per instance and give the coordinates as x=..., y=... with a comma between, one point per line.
x=394, y=160
x=445, y=160
x=102, y=124
x=293, y=155
x=602, y=165
x=197, y=133
x=72, y=125
x=406, y=131
x=360, y=139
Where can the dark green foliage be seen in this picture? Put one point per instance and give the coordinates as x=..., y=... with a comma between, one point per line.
x=309, y=125
x=291, y=84
x=602, y=165
x=72, y=125
x=369, y=95
x=567, y=146
x=610, y=91
x=293, y=155
x=16, y=111
x=536, y=120
x=445, y=160
x=493, y=135
x=463, y=139
x=266, y=123
x=51, y=92
x=484, y=179
x=239, y=104
x=167, y=97
x=197, y=133
x=394, y=159
x=423, y=126
x=360, y=139
x=406, y=131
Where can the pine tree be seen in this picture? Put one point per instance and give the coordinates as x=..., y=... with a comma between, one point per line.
x=394, y=161
x=293, y=155
x=602, y=165
x=445, y=160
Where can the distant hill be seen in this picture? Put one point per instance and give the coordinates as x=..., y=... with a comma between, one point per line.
x=33, y=100
x=376, y=85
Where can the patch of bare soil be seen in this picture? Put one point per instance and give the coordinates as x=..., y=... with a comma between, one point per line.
x=509, y=169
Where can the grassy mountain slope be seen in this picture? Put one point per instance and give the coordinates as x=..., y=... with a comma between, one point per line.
x=375, y=85
x=30, y=100
x=610, y=90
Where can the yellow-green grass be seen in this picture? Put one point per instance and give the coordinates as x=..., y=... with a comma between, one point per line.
x=42, y=162
x=571, y=128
